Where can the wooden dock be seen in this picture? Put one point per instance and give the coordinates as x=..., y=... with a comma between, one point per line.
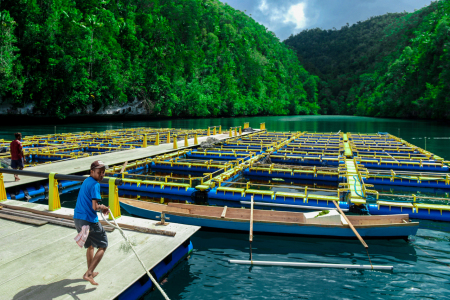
x=83, y=164
x=44, y=262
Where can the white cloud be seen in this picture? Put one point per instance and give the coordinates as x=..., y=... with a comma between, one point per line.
x=281, y=15
x=263, y=6
x=296, y=15
x=285, y=17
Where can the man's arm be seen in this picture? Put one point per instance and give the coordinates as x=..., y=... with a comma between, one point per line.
x=97, y=206
x=96, y=198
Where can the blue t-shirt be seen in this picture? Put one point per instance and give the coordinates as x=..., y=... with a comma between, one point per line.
x=90, y=190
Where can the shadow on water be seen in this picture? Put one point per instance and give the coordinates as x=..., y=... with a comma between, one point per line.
x=303, y=246
x=433, y=225
x=172, y=285
x=54, y=290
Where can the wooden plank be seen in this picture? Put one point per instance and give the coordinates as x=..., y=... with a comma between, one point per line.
x=123, y=226
x=22, y=219
x=33, y=273
x=51, y=220
x=36, y=262
x=244, y=214
x=19, y=249
x=171, y=207
x=224, y=212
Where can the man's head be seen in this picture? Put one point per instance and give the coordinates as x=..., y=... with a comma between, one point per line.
x=98, y=170
x=18, y=136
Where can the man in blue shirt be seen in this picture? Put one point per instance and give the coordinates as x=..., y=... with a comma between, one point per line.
x=86, y=214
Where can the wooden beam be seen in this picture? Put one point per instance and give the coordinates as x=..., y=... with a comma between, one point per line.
x=50, y=220
x=22, y=219
x=124, y=226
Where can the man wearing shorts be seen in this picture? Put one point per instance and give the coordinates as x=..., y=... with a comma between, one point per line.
x=15, y=148
x=86, y=214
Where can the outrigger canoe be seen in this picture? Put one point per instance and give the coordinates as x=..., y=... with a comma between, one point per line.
x=275, y=222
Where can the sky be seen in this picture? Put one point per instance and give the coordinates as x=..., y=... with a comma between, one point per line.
x=286, y=17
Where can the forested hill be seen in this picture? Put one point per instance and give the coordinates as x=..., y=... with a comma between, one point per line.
x=180, y=57
x=395, y=65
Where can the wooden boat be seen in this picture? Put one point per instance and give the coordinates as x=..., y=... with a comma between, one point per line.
x=275, y=222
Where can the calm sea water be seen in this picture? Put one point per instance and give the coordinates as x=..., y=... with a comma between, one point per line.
x=421, y=266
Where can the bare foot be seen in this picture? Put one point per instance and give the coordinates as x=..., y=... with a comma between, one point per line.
x=17, y=179
x=90, y=279
x=94, y=274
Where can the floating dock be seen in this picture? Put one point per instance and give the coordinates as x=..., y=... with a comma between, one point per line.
x=281, y=170
x=44, y=262
x=42, y=259
x=81, y=162
x=287, y=171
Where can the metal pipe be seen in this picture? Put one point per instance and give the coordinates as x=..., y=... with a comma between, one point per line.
x=310, y=265
x=57, y=176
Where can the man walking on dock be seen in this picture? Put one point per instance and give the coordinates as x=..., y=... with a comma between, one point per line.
x=15, y=148
x=86, y=215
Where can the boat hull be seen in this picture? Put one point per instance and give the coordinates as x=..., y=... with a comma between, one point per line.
x=383, y=231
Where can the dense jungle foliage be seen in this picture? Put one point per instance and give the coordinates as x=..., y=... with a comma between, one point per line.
x=182, y=57
x=395, y=65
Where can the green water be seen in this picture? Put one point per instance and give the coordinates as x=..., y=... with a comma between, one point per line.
x=421, y=266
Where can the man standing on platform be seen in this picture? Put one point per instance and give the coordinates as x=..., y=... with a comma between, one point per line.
x=88, y=203
x=15, y=148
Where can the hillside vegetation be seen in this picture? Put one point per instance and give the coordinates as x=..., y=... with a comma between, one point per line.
x=182, y=57
x=395, y=65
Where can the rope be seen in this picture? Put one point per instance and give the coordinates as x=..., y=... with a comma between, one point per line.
x=137, y=256
x=431, y=255
x=370, y=261
x=357, y=179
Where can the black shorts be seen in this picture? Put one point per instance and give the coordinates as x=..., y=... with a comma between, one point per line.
x=16, y=163
x=97, y=234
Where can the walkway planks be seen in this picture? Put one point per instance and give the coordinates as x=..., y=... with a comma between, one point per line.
x=45, y=262
x=83, y=164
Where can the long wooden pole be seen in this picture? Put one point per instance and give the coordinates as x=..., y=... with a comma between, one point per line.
x=69, y=217
x=251, y=228
x=123, y=167
x=351, y=225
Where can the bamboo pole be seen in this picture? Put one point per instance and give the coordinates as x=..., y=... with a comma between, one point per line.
x=311, y=265
x=123, y=167
x=251, y=228
x=351, y=225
